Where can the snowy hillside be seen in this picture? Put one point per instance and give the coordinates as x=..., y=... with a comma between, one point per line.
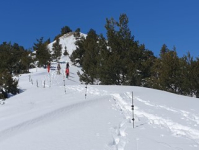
x=67, y=40
x=58, y=117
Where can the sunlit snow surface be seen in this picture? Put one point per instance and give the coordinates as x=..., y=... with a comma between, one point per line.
x=72, y=117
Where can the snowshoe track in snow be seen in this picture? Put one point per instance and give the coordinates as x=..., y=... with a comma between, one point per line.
x=123, y=104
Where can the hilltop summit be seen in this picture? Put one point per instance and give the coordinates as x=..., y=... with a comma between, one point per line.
x=67, y=40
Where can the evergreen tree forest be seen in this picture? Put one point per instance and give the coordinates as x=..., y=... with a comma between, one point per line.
x=120, y=60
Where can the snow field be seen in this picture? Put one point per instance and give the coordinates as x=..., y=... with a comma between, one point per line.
x=60, y=117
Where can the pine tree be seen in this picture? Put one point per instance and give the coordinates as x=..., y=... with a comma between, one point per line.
x=114, y=46
x=48, y=41
x=195, y=77
x=186, y=75
x=124, y=52
x=6, y=57
x=90, y=58
x=164, y=49
x=65, y=51
x=77, y=55
x=42, y=52
x=8, y=84
x=13, y=58
x=168, y=71
x=22, y=59
x=57, y=50
x=104, y=61
x=77, y=33
x=144, y=65
x=9, y=65
x=65, y=30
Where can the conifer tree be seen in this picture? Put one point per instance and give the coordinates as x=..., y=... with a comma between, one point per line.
x=7, y=60
x=77, y=55
x=168, y=73
x=186, y=75
x=12, y=58
x=8, y=84
x=124, y=51
x=65, y=29
x=154, y=80
x=42, y=52
x=77, y=33
x=65, y=51
x=144, y=65
x=57, y=50
x=104, y=61
x=48, y=41
x=164, y=49
x=156, y=70
x=90, y=58
x=22, y=59
x=112, y=65
x=12, y=62
x=195, y=77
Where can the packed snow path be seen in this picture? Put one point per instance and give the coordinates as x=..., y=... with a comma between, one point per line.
x=61, y=117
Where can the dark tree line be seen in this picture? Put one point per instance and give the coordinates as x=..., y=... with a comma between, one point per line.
x=174, y=74
x=120, y=60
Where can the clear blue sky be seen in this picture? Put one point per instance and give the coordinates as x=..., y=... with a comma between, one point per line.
x=152, y=22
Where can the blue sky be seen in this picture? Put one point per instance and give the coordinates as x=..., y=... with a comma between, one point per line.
x=152, y=22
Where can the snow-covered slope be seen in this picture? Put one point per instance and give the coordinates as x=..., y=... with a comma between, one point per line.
x=67, y=40
x=60, y=117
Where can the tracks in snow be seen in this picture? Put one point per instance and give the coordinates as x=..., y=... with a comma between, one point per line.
x=123, y=103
